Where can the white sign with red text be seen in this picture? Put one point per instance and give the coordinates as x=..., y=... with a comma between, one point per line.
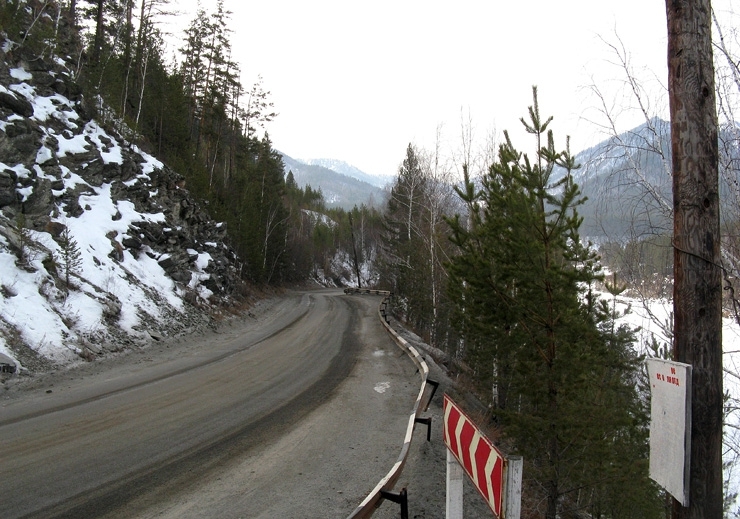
x=670, y=426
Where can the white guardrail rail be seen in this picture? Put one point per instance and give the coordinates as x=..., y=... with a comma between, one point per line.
x=368, y=291
x=383, y=490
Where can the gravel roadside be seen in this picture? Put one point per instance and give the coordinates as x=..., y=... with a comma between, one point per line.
x=424, y=475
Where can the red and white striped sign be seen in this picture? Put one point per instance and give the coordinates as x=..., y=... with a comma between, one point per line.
x=480, y=459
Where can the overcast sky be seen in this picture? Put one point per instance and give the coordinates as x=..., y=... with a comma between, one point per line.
x=358, y=81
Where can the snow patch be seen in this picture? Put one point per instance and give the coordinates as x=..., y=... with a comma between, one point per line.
x=20, y=74
x=382, y=387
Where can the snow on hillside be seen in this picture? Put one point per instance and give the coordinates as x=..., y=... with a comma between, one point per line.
x=342, y=272
x=319, y=218
x=118, y=296
x=650, y=320
x=50, y=320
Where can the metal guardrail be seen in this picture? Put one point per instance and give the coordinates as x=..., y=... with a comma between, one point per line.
x=383, y=490
x=351, y=290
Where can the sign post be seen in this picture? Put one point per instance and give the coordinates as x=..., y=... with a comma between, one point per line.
x=513, y=495
x=454, y=502
x=481, y=461
x=670, y=426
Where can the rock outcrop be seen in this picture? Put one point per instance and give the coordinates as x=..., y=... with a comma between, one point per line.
x=60, y=167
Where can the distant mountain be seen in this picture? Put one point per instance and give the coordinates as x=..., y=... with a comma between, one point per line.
x=627, y=180
x=343, y=168
x=339, y=189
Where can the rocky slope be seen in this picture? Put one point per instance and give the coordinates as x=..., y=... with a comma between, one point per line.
x=101, y=245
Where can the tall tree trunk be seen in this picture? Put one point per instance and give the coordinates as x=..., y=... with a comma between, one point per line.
x=207, y=104
x=354, y=250
x=98, y=33
x=144, y=66
x=127, y=56
x=697, y=293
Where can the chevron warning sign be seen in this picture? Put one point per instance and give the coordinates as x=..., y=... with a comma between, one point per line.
x=480, y=459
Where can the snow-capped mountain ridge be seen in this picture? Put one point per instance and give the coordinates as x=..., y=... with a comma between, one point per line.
x=347, y=169
x=339, y=189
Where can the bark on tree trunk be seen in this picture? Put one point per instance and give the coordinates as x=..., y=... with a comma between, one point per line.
x=354, y=251
x=697, y=276
x=98, y=32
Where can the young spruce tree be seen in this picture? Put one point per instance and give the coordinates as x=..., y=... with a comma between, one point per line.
x=69, y=257
x=563, y=377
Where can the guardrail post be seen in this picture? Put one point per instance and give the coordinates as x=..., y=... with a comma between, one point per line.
x=401, y=498
x=435, y=386
x=428, y=422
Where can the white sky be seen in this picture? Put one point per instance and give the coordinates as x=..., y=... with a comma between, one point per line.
x=359, y=81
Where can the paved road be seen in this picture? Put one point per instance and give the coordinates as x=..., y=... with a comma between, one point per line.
x=296, y=414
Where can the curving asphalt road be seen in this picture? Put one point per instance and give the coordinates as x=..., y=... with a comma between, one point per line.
x=296, y=414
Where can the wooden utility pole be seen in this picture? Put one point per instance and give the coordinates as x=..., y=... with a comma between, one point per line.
x=697, y=292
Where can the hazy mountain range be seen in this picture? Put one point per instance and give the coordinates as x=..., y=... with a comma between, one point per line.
x=626, y=179
x=343, y=168
x=627, y=182
x=342, y=184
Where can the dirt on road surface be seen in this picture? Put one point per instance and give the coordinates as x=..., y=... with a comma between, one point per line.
x=311, y=468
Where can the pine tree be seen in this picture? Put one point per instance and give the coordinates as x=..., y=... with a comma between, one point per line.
x=211, y=80
x=24, y=241
x=259, y=109
x=262, y=213
x=109, y=20
x=562, y=376
x=69, y=257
